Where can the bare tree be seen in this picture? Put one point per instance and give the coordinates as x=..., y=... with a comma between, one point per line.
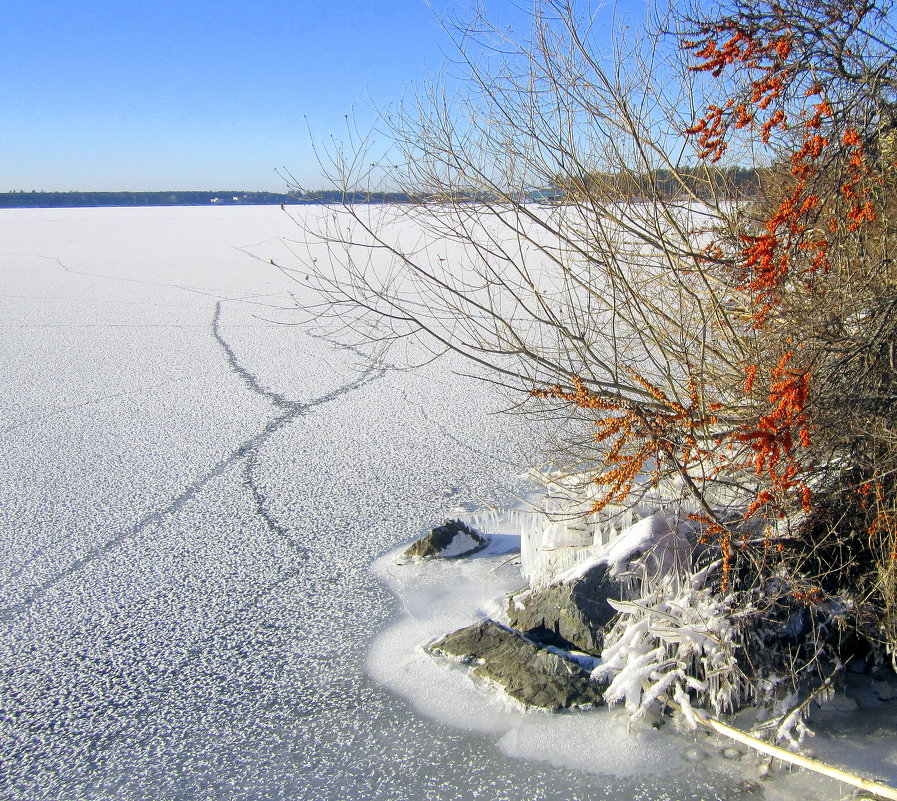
x=601, y=289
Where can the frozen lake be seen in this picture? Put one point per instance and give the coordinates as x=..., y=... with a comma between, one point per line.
x=193, y=491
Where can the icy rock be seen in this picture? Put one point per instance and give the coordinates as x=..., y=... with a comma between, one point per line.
x=452, y=540
x=528, y=673
x=731, y=753
x=570, y=615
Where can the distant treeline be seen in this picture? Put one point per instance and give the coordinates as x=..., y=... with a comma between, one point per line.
x=732, y=183
x=703, y=182
x=33, y=200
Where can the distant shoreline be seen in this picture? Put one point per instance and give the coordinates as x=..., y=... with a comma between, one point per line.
x=51, y=200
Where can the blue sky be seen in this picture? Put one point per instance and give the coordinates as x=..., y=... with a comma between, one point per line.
x=194, y=94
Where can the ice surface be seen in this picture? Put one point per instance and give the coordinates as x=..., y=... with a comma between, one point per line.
x=194, y=488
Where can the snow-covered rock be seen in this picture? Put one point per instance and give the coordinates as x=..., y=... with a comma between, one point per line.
x=658, y=536
x=568, y=615
x=529, y=674
x=452, y=540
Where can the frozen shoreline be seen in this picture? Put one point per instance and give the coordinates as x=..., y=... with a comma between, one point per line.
x=437, y=597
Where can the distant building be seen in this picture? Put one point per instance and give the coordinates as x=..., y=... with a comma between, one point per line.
x=545, y=195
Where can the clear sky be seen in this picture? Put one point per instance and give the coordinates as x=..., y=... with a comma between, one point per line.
x=197, y=94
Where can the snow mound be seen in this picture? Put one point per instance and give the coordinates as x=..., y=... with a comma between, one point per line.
x=658, y=534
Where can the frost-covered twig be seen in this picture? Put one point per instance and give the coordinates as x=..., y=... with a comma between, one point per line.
x=681, y=645
x=882, y=790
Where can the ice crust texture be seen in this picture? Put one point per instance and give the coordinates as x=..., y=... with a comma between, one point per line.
x=193, y=493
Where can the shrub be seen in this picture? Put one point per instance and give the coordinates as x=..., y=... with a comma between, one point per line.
x=679, y=322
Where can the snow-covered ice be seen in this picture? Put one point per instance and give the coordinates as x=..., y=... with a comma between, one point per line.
x=193, y=490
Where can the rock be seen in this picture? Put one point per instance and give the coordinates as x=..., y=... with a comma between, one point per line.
x=569, y=615
x=528, y=673
x=731, y=753
x=452, y=540
x=859, y=666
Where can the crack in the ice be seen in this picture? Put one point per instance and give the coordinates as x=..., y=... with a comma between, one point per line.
x=246, y=450
x=292, y=409
x=203, y=291
x=489, y=456
x=248, y=378
x=148, y=520
x=261, y=509
x=195, y=290
x=93, y=401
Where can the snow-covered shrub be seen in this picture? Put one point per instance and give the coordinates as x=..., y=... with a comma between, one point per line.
x=676, y=641
x=678, y=638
